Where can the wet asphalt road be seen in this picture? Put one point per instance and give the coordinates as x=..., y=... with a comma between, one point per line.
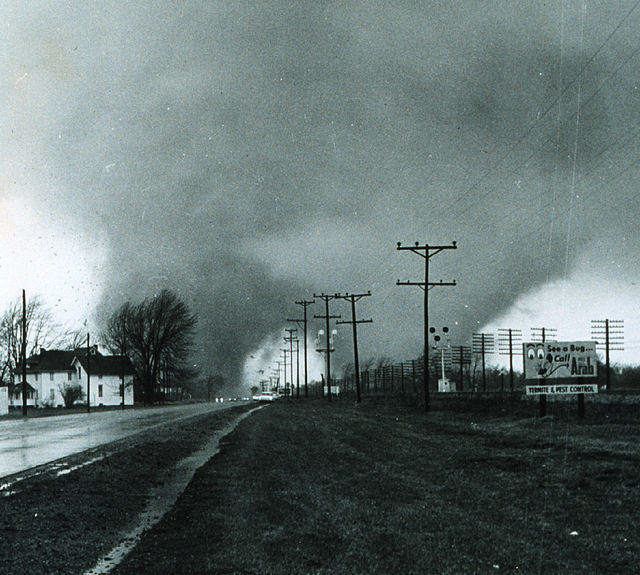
x=27, y=443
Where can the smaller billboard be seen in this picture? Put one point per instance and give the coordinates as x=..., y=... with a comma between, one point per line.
x=560, y=359
x=562, y=389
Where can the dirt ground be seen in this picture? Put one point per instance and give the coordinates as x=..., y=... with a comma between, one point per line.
x=59, y=525
x=315, y=488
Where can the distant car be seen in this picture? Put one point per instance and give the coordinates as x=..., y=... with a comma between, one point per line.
x=265, y=396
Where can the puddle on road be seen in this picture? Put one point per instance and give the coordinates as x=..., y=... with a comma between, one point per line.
x=163, y=498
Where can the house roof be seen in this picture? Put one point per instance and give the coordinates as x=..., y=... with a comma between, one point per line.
x=17, y=387
x=106, y=364
x=50, y=360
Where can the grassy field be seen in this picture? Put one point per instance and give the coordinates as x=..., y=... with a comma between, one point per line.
x=314, y=488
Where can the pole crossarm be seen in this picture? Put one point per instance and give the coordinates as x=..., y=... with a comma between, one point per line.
x=429, y=250
x=430, y=285
x=542, y=334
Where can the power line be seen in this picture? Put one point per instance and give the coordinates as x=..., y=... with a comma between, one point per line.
x=540, y=116
x=464, y=194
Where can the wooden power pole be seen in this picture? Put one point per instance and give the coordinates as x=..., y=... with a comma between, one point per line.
x=353, y=298
x=303, y=323
x=23, y=353
x=327, y=350
x=427, y=252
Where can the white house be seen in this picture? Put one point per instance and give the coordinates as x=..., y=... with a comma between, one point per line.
x=49, y=371
x=108, y=372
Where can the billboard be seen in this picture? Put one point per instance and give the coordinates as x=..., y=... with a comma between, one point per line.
x=559, y=359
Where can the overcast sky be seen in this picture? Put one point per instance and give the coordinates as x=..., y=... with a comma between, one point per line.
x=247, y=154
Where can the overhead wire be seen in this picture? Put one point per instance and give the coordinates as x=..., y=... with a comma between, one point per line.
x=536, y=123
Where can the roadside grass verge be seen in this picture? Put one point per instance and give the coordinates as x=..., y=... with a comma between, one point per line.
x=307, y=487
x=63, y=524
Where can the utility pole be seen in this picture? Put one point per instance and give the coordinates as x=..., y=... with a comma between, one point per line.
x=507, y=337
x=297, y=368
x=353, y=298
x=542, y=334
x=483, y=344
x=427, y=252
x=303, y=322
x=277, y=362
x=23, y=353
x=284, y=361
x=277, y=376
x=88, y=376
x=123, y=351
x=612, y=330
x=290, y=340
x=326, y=298
x=461, y=355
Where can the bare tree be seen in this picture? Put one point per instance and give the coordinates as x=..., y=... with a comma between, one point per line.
x=41, y=331
x=157, y=334
x=74, y=339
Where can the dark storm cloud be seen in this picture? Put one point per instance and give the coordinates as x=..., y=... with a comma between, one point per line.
x=249, y=155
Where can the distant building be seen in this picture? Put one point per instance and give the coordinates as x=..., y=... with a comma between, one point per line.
x=49, y=371
x=107, y=372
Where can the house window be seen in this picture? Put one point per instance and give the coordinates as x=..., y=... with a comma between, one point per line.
x=51, y=375
x=79, y=372
x=52, y=394
x=100, y=376
x=100, y=390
